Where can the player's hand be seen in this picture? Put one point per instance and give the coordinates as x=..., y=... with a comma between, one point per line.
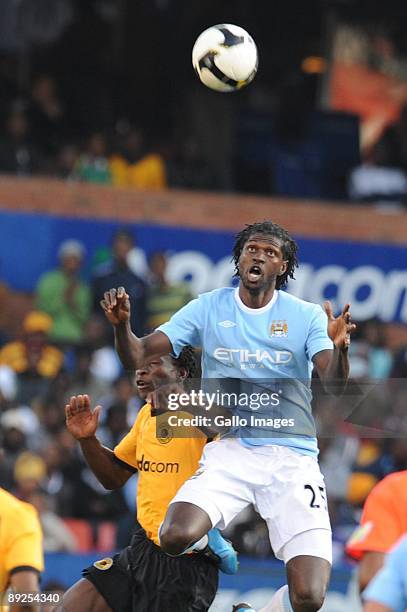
x=116, y=306
x=81, y=421
x=165, y=397
x=340, y=327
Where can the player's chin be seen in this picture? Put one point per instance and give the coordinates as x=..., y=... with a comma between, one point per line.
x=144, y=391
x=254, y=286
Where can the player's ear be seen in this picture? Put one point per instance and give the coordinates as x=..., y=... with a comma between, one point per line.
x=182, y=373
x=283, y=268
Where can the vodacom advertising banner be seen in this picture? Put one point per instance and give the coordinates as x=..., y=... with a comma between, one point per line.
x=373, y=277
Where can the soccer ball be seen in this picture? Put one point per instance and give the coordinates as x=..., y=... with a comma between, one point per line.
x=225, y=57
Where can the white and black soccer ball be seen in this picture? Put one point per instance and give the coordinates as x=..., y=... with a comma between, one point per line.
x=225, y=57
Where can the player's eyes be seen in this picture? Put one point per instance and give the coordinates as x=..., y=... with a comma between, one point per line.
x=251, y=249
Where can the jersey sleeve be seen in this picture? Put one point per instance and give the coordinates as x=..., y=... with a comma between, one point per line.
x=126, y=450
x=389, y=586
x=318, y=339
x=25, y=545
x=380, y=526
x=185, y=326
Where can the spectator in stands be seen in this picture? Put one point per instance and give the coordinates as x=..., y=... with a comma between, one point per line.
x=91, y=500
x=115, y=425
x=33, y=358
x=29, y=472
x=371, y=465
x=399, y=369
x=105, y=365
x=57, y=537
x=122, y=394
x=380, y=359
x=164, y=298
x=381, y=179
x=17, y=153
x=64, y=296
x=46, y=115
x=49, y=413
x=85, y=377
x=66, y=162
x=5, y=295
x=8, y=387
x=188, y=168
x=93, y=163
x=56, y=481
x=116, y=273
x=133, y=166
x=14, y=442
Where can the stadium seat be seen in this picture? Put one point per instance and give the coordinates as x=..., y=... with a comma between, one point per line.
x=82, y=532
x=106, y=540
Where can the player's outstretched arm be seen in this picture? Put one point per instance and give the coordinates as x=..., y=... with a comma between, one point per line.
x=82, y=423
x=23, y=582
x=333, y=366
x=132, y=351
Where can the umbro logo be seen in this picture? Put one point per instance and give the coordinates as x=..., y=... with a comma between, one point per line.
x=227, y=324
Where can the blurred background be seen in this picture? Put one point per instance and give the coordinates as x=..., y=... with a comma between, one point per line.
x=119, y=168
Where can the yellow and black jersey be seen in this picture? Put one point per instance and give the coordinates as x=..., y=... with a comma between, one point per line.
x=20, y=537
x=164, y=464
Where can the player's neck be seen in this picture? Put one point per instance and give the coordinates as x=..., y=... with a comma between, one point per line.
x=256, y=299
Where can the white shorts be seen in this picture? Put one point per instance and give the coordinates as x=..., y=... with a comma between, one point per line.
x=285, y=487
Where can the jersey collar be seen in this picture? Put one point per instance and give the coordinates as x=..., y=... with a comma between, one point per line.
x=256, y=311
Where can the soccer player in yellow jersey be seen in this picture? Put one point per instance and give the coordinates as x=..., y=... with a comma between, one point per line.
x=21, y=557
x=141, y=577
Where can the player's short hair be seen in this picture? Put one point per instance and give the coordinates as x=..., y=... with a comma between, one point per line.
x=289, y=247
x=187, y=360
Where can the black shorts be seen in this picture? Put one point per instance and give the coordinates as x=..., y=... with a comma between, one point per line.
x=142, y=578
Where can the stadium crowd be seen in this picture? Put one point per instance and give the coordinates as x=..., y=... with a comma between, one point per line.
x=38, y=137
x=63, y=346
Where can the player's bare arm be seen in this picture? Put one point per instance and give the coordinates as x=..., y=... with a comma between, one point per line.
x=132, y=351
x=333, y=366
x=82, y=423
x=370, y=564
x=25, y=581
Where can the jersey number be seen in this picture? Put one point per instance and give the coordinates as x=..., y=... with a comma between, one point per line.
x=321, y=492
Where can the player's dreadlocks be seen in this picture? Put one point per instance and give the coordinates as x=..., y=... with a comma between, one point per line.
x=187, y=360
x=289, y=247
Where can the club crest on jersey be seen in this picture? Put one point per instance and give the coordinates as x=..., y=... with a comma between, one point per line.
x=164, y=433
x=279, y=329
x=104, y=564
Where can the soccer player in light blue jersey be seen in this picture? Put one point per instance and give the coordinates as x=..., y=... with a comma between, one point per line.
x=269, y=341
x=387, y=592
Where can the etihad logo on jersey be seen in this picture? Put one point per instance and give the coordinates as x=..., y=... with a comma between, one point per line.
x=246, y=358
x=279, y=329
x=144, y=465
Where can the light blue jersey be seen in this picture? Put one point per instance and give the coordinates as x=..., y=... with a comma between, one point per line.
x=389, y=586
x=265, y=349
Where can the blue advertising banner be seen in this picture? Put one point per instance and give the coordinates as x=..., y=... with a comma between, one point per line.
x=256, y=582
x=373, y=277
